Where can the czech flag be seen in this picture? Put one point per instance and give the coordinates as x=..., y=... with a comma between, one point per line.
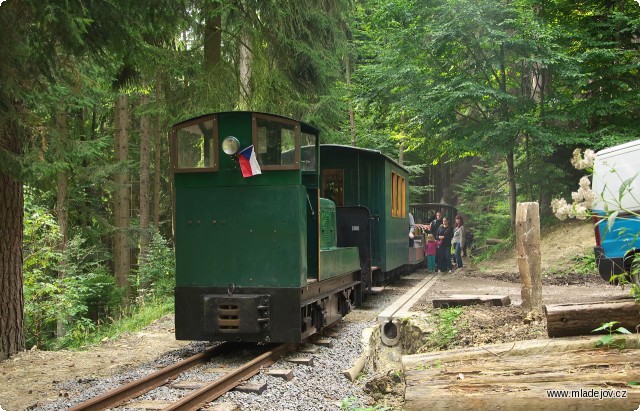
x=249, y=162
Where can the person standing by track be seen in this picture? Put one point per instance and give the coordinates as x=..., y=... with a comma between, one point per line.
x=435, y=224
x=458, y=240
x=430, y=248
x=443, y=252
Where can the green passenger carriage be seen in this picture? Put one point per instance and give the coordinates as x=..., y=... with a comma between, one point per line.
x=357, y=177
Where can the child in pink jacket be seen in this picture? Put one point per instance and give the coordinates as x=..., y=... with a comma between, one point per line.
x=430, y=252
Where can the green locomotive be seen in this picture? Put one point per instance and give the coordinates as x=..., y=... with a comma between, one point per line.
x=260, y=254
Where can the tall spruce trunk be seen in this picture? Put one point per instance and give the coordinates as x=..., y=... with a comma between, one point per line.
x=212, y=38
x=244, y=67
x=352, y=117
x=157, y=167
x=11, y=223
x=510, y=159
x=62, y=208
x=157, y=173
x=121, y=209
x=511, y=176
x=145, y=158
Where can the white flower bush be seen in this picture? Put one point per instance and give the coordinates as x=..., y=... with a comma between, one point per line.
x=580, y=162
x=584, y=198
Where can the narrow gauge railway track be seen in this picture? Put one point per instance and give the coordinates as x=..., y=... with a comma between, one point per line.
x=197, y=398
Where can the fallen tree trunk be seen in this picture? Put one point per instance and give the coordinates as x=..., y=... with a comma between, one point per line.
x=580, y=319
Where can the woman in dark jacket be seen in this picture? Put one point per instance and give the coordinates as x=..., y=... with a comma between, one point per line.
x=443, y=253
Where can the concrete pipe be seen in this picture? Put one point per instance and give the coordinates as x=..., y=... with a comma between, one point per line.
x=390, y=333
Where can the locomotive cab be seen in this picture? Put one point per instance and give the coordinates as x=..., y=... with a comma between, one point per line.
x=247, y=232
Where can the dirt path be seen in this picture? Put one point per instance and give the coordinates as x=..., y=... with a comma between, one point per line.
x=31, y=378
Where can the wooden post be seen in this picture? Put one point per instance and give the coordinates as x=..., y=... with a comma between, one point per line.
x=529, y=261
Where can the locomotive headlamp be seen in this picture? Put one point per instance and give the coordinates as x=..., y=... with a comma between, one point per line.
x=230, y=145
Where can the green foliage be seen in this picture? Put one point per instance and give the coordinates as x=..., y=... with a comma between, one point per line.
x=156, y=275
x=70, y=288
x=43, y=297
x=445, y=322
x=490, y=78
x=632, y=279
x=484, y=197
x=490, y=252
x=609, y=340
x=296, y=50
x=131, y=319
x=585, y=264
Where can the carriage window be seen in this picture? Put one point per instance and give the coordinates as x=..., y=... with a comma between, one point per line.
x=194, y=146
x=276, y=143
x=398, y=196
x=307, y=152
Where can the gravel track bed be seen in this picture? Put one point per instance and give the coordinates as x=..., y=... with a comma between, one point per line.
x=321, y=386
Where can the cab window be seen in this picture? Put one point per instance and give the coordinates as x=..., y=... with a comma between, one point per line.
x=194, y=146
x=307, y=152
x=277, y=142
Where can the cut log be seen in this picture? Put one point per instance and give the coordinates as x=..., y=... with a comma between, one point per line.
x=580, y=319
x=464, y=299
x=520, y=375
x=508, y=350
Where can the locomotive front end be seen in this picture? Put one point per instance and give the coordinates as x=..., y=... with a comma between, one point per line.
x=246, y=227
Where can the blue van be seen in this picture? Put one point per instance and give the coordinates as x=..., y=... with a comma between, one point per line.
x=616, y=182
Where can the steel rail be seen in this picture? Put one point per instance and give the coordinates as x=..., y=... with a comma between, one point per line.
x=138, y=387
x=229, y=380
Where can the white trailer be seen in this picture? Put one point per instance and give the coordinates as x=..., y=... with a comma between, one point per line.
x=616, y=182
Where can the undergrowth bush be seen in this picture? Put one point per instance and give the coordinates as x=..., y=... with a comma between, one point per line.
x=60, y=286
x=446, y=322
x=70, y=295
x=585, y=264
x=155, y=277
x=484, y=202
x=131, y=318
